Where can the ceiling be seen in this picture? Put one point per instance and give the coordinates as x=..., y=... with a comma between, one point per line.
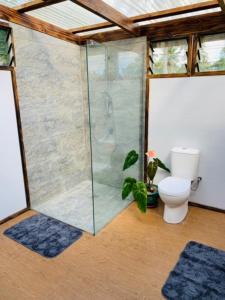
x=68, y=15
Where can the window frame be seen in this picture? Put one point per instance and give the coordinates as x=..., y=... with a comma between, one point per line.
x=11, y=46
x=212, y=72
x=167, y=75
x=192, y=58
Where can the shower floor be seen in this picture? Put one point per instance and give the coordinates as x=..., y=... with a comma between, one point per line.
x=75, y=207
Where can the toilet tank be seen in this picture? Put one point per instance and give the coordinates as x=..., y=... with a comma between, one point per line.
x=184, y=162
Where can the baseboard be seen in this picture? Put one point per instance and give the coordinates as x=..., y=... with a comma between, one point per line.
x=207, y=207
x=14, y=215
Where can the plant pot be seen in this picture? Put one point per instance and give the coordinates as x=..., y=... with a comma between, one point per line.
x=152, y=198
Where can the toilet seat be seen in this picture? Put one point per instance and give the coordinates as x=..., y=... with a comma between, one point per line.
x=174, y=186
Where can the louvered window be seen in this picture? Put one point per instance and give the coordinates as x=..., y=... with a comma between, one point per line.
x=211, y=53
x=168, y=57
x=6, y=48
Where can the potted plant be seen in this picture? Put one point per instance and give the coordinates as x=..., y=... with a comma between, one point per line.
x=152, y=190
x=146, y=194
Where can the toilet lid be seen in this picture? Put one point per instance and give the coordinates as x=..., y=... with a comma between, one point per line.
x=174, y=186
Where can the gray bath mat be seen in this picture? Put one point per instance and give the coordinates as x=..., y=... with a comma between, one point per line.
x=44, y=235
x=199, y=274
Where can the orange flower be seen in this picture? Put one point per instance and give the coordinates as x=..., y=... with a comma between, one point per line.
x=151, y=153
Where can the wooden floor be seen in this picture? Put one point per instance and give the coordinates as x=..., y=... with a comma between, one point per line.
x=129, y=259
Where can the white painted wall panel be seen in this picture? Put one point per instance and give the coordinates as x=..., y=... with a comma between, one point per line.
x=12, y=193
x=190, y=112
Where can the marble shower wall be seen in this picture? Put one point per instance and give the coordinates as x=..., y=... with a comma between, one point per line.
x=53, y=112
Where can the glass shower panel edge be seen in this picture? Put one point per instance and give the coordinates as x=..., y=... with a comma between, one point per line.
x=116, y=95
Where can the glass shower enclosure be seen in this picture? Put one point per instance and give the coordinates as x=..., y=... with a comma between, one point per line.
x=116, y=99
x=86, y=155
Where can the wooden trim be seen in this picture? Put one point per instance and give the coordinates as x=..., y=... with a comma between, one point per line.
x=35, y=4
x=222, y=5
x=5, y=68
x=20, y=136
x=176, y=11
x=147, y=93
x=201, y=24
x=155, y=76
x=189, y=54
x=101, y=25
x=209, y=73
x=107, y=12
x=155, y=15
x=14, y=215
x=207, y=207
x=192, y=53
x=196, y=74
x=4, y=25
x=30, y=22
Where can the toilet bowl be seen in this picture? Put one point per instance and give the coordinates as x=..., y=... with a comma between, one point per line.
x=174, y=192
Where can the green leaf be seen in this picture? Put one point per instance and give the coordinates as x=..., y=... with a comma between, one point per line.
x=152, y=169
x=140, y=195
x=130, y=160
x=127, y=187
x=130, y=180
x=161, y=164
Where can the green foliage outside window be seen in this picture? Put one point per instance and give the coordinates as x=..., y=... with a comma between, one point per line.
x=212, y=53
x=4, y=57
x=169, y=57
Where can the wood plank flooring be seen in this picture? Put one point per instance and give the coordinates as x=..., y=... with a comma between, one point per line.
x=129, y=259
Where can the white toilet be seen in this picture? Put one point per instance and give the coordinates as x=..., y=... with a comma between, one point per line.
x=175, y=190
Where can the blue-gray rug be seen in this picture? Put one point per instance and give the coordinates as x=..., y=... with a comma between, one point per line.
x=44, y=235
x=199, y=274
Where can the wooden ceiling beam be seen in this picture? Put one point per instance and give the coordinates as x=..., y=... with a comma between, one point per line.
x=206, y=23
x=101, y=25
x=11, y=15
x=35, y=4
x=222, y=4
x=177, y=11
x=155, y=15
x=109, y=13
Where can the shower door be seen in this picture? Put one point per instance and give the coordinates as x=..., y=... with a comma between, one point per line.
x=116, y=92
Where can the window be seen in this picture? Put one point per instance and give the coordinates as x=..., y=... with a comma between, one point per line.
x=6, y=48
x=211, y=53
x=168, y=57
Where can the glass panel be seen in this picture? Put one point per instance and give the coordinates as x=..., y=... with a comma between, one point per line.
x=66, y=15
x=116, y=72
x=133, y=8
x=4, y=56
x=169, y=57
x=12, y=3
x=212, y=53
x=54, y=115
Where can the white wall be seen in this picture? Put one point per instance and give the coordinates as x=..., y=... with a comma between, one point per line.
x=12, y=193
x=190, y=112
